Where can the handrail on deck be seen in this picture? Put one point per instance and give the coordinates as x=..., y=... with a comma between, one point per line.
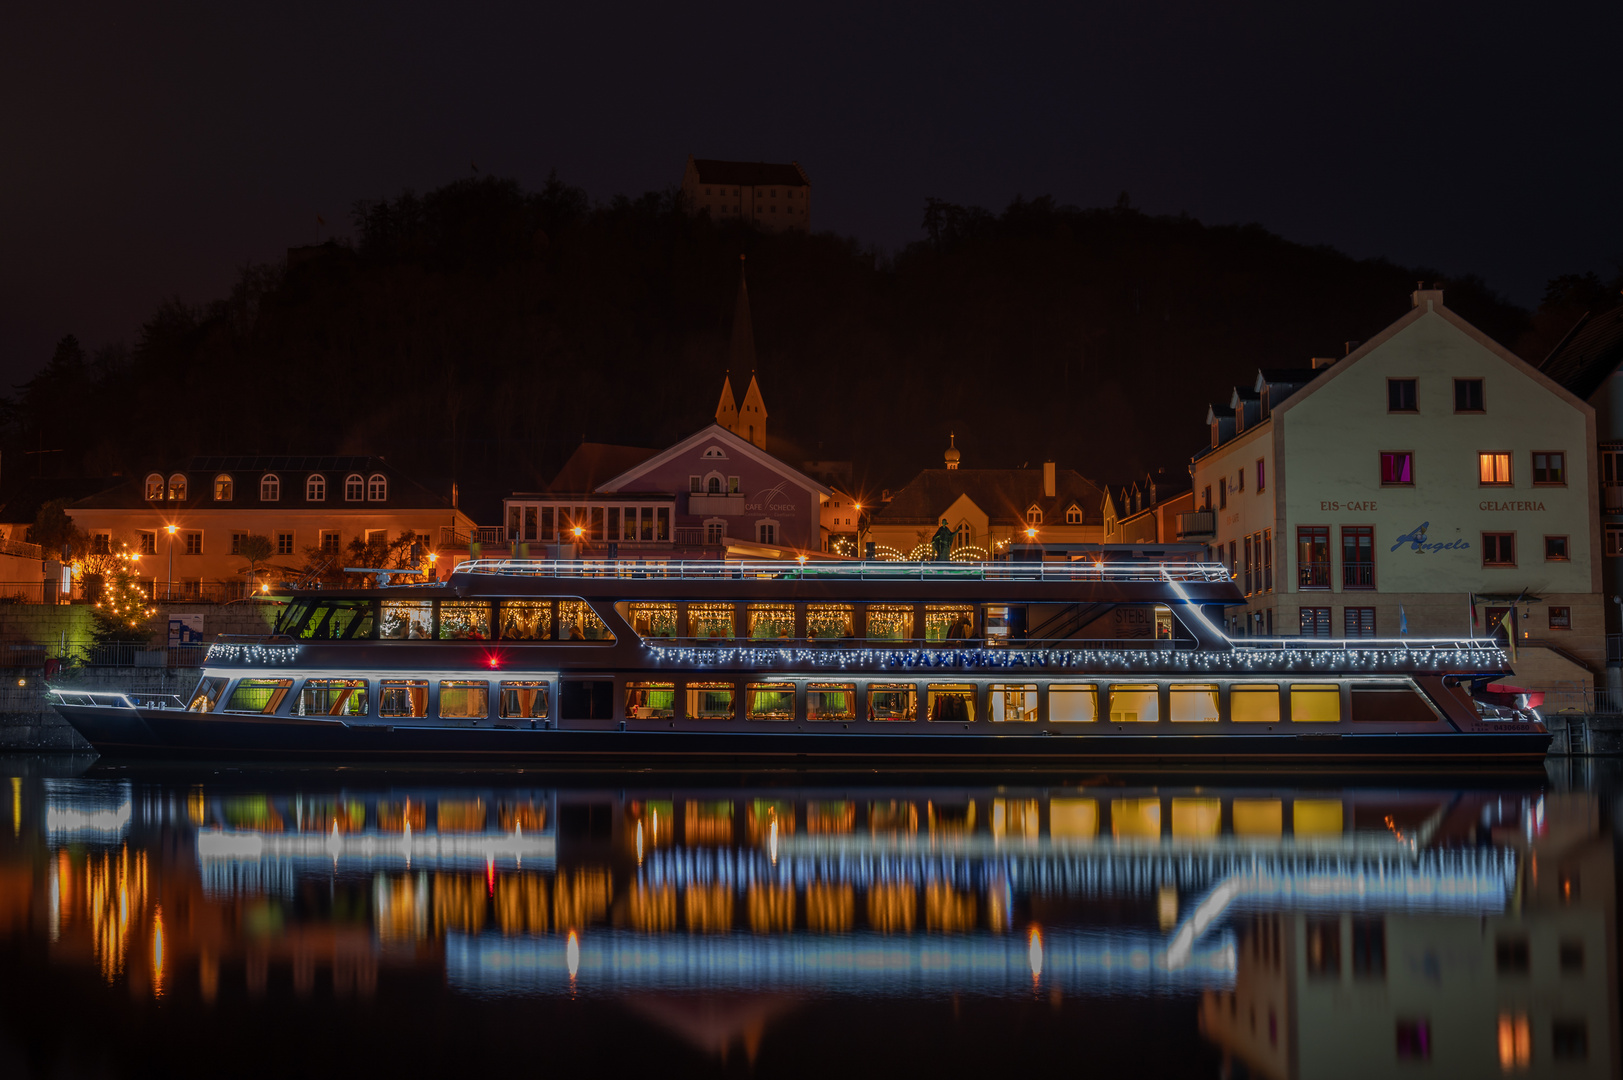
x=693, y=569
x=1383, y=644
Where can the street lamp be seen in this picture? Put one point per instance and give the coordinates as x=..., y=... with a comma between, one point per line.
x=172, y=529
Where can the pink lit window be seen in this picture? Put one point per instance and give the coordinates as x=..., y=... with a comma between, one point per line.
x=1397, y=467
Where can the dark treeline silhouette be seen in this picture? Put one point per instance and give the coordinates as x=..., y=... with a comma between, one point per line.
x=479, y=331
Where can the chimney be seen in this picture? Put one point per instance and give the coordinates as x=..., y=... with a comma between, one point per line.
x=1427, y=298
x=1319, y=363
x=1048, y=479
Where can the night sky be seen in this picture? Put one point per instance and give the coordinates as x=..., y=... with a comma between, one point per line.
x=150, y=150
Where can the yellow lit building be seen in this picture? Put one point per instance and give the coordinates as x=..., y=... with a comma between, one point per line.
x=768, y=195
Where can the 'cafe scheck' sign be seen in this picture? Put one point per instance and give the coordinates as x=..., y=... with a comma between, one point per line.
x=1417, y=541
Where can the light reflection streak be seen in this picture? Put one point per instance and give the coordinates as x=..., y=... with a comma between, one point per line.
x=471, y=849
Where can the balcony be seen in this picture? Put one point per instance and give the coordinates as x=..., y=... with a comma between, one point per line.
x=1357, y=575
x=1313, y=575
x=1201, y=525
x=715, y=505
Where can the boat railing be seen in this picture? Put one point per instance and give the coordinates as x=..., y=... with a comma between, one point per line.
x=1297, y=644
x=710, y=569
x=115, y=699
x=254, y=639
x=1012, y=645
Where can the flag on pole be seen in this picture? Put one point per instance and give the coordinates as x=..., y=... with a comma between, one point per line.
x=1403, y=621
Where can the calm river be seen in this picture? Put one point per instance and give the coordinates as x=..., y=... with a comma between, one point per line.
x=212, y=921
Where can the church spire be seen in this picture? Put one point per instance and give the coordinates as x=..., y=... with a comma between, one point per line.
x=727, y=408
x=742, y=353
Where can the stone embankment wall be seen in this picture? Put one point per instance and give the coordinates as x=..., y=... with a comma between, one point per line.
x=1585, y=734
x=65, y=632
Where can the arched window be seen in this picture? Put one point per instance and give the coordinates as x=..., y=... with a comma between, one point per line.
x=1073, y=515
x=966, y=535
x=222, y=487
x=377, y=487
x=154, y=486
x=714, y=485
x=270, y=488
x=177, y=486
x=354, y=487
x=315, y=488
x=1034, y=515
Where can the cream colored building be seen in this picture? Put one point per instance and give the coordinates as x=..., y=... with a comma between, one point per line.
x=767, y=195
x=1384, y=492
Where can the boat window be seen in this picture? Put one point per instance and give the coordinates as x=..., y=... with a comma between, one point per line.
x=1073, y=703
x=1397, y=703
x=460, y=815
x=710, y=701
x=331, y=697
x=1073, y=819
x=1196, y=819
x=407, y=619
x=403, y=697
x=578, y=622
x=831, y=701
x=465, y=620
x=1135, y=703
x=950, y=703
x=526, y=620
x=768, y=621
x=258, y=695
x=1254, y=703
x=1135, y=819
x=650, y=700
x=1315, y=703
x=654, y=620
x=464, y=699
x=710, y=620
x=335, y=620
x=890, y=622
x=1194, y=703
x=207, y=694
x=771, y=701
x=1014, y=701
x=293, y=617
x=829, y=621
x=892, y=701
x=524, y=700
x=948, y=622
x=1015, y=819
x=831, y=818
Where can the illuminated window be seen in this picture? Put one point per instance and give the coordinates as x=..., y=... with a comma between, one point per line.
x=258, y=695
x=1493, y=467
x=1315, y=703
x=948, y=622
x=315, y=488
x=270, y=488
x=829, y=621
x=403, y=697
x=464, y=620
x=332, y=697
x=1259, y=818
x=1316, y=817
x=892, y=701
x=1555, y=549
x=154, y=486
x=950, y=703
x=404, y=620
x=770, y=701
x=223, y=488
x=710, y=701
x=771, y=621
x=1073, y=819
x=177, y=486
x=710, y=620
x=578, y=622
x=1136, y=819
x=890, y=622
x=1135, y=703
x=1515, y=1041
x=1013, y=702
x=1073, y=703
x=1196, y=819
x=1193, y=703
x=377, y=488
x=524, y=700
x=526, y=620
x=831, y=701
x=650, y=700
x=654, y=620
x=1397, y=467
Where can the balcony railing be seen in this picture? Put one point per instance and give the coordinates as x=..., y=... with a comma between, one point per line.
x=1357, y=575
x=1314, y=575
x=1125, y=570
x=1200, y=525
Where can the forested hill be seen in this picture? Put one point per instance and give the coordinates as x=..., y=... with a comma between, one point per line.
x=480, y=331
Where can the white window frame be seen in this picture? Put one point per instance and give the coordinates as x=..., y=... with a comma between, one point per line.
x=377, y=488
x=315, y=488
x=354, y=483
x=225, y=488
x=270, y=488
x=1034, y=514
x=762, y=524
x=154, y=487
x=177, y=486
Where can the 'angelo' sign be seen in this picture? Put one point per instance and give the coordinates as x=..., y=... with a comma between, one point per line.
x=1417, y=541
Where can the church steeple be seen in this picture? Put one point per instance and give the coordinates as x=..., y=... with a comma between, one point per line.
x=727, y=408
x=748, y=418
x=752, y=415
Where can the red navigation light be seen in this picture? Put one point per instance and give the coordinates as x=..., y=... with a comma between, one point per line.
x=493, y=659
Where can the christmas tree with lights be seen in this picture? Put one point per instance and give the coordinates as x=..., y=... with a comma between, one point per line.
x=123, y=609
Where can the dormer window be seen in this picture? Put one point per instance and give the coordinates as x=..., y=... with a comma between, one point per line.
x=315, y=488
x=270, y=488
x=154, y=487
x=1034, y=515
x=354, y=487
x=223, y=488
x=1073, y=515
x=177, y=487
x=715, y=453
x=377, y=488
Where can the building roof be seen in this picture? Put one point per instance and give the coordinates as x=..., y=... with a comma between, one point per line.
x=1005, y=495
x=750, y=173
x=1590, y=352
x=595, y=463
x=625, y=480
x=1287, y=376
x=402, y=492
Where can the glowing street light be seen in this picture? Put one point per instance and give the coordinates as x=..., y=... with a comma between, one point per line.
x=171, y=529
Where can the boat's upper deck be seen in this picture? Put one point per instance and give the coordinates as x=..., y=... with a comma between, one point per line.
x=1085, y=570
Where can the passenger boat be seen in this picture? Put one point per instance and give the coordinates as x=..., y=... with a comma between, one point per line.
x=992, y=663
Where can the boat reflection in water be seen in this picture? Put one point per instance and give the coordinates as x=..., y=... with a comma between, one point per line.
x=1310, y=932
